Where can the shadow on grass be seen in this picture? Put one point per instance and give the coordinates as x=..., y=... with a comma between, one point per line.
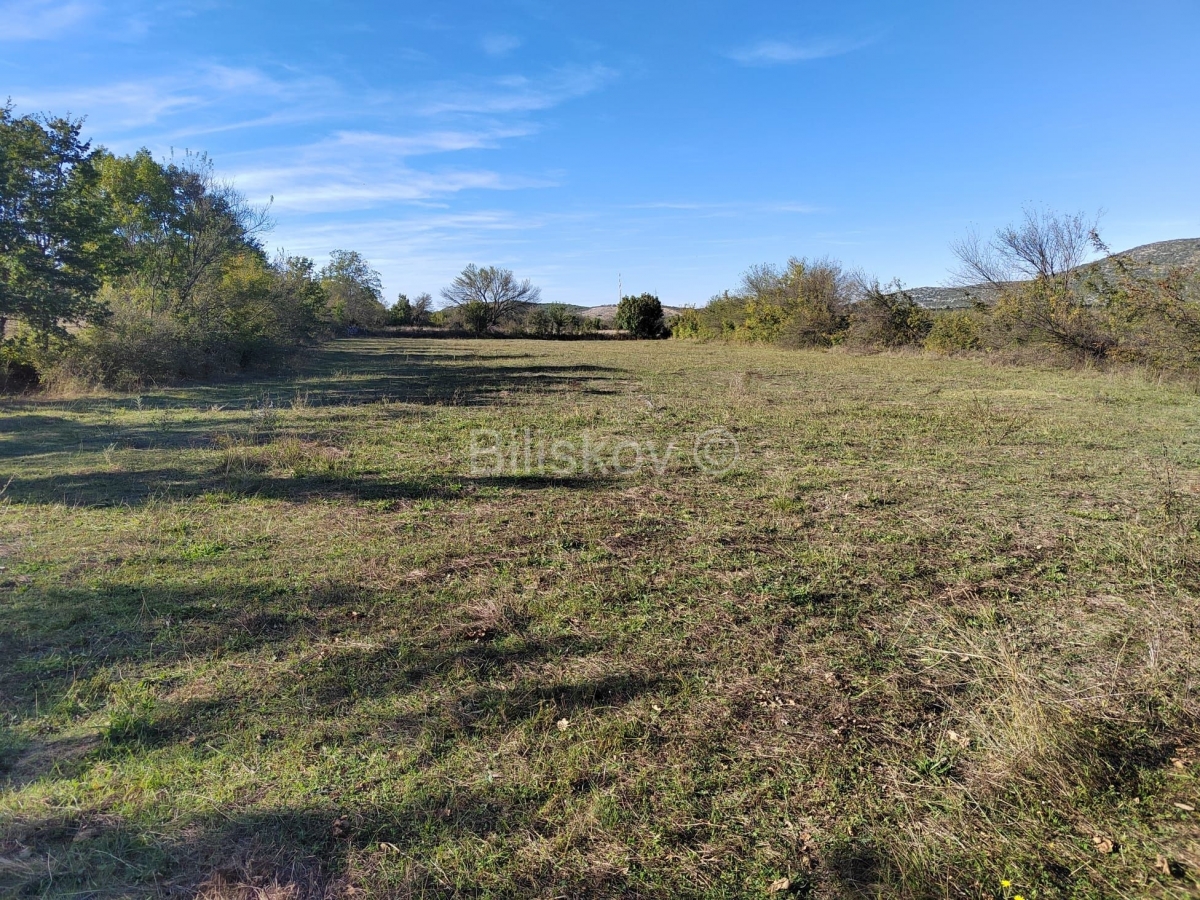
x=349, y=372
x=69, y=652
x=297, y=853
x=107, y=489
x=352, y=373
x=67, y=665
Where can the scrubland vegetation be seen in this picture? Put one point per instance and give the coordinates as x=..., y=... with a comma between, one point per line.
x=1033, y=295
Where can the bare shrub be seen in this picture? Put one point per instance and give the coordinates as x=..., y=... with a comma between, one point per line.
x=889, y=318
x=1044, y=245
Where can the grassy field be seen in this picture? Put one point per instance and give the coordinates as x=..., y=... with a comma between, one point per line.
x=933, y=633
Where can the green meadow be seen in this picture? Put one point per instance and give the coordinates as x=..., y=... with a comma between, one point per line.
x=931, y=632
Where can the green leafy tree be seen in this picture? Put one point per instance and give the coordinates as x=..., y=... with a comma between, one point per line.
x=561, y=319
x=538, y=321
x=401, y=311
x=176, y=224
x=552, y=320
x=54, y=240
x=641, y=316
x=354, y=290
x=410, y=312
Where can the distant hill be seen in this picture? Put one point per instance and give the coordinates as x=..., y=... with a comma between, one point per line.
x=1148, y=257
x=606, y=314
x=609, y=313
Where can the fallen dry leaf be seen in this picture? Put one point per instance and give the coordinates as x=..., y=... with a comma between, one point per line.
x=961, y=739
x=1168, y=867
x=1185, y=807
x=1103, y=844
x=780, y=884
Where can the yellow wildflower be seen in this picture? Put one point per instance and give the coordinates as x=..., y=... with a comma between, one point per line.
x=1004, y=882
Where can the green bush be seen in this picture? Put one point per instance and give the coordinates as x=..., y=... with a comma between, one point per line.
x=954, y=330
x=24, y=357
x=688, y=325
x=641, y=316
x=763, y=321
x=804, y=304
x=254, y=314
x=135, y=347
x=551, y=320
x=475, y=316
x=718, y=319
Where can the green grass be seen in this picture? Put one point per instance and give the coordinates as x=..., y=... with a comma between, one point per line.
x=935, y=630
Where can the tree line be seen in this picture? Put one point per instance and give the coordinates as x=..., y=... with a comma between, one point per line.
x=127, y=268
x=490, y=298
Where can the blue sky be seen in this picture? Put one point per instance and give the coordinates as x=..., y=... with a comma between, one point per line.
x=673, y=143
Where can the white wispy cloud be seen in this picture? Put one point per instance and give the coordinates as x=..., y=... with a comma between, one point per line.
x=39, y=20
x=777, y=52
x=119, y=105
x=423, y=143
x=385, y=172
x=727, y=209
x=362, y=169
x=212, y=98
x=143, y=102
x=499, y=44
x=313, y=188
x=516, y=93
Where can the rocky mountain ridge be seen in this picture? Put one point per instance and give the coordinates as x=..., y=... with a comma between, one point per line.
x=1156, y=257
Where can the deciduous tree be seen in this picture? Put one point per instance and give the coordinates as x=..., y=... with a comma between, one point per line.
x=354, y=289
x=54, y=241
x=496, y=290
